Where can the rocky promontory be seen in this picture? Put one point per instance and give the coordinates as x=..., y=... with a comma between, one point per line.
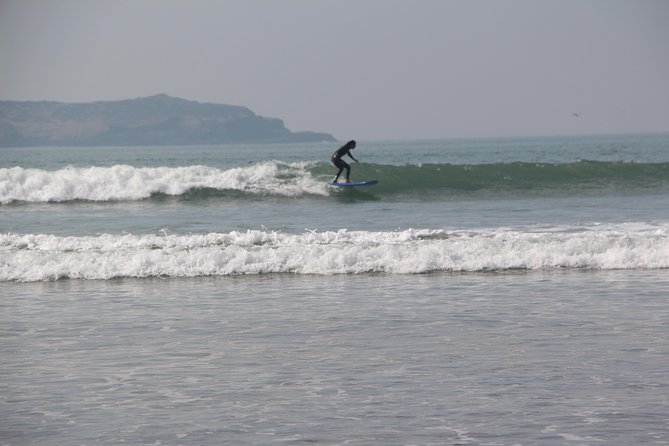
x=153, y=120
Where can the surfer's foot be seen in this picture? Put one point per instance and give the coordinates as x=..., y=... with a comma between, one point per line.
x=348, y=180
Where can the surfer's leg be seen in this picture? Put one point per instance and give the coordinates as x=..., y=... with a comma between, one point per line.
x=341, y=164
x=336, y=178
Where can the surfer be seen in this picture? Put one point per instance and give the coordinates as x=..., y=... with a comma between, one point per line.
x=340, y=163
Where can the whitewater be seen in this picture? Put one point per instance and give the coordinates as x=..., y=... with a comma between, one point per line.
x=47, y=257
x=123, y=182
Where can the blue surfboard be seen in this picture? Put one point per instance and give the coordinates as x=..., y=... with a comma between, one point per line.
x=354, y=183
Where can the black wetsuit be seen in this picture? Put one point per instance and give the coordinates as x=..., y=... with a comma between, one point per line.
x=340, y=163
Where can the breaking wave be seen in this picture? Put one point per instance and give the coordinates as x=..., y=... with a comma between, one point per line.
x=123, y=182
x=295, y=180
x=42, y=257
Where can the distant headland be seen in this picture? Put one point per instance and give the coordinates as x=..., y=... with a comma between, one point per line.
x=153, y=120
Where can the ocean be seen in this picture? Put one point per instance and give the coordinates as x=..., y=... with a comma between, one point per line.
x=510, y=291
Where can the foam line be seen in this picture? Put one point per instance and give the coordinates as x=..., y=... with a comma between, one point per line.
x=36, y=257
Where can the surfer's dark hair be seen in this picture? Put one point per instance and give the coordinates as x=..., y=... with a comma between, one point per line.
x=351, y=143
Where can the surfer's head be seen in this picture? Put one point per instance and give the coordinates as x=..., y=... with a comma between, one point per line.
x=351, y=144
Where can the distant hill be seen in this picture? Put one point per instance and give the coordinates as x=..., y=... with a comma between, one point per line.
x=154, y=120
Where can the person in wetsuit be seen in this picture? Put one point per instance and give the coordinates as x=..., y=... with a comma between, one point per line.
x=340, y=163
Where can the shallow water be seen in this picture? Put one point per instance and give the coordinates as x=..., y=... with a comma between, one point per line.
x=484, y=358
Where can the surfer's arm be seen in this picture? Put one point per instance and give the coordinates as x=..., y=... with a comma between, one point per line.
x=352, y=157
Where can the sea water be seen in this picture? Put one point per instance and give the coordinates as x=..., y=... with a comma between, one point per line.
x=490, y=291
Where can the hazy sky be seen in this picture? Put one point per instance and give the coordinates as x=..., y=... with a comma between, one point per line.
x=365, y=69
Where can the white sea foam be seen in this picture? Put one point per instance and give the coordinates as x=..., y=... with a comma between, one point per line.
x=36, y=257
x=123, y=182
